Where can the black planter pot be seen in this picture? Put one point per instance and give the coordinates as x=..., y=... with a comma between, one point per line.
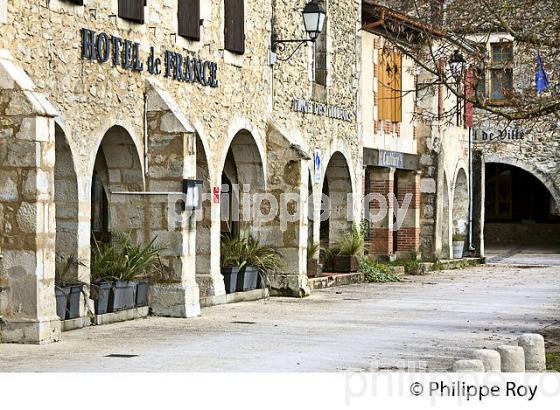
x=123, y=295
x=103, y=295
x=247, y=279
x=142, y=293
x=230, y=278
x=60, y=302
x=74, y=293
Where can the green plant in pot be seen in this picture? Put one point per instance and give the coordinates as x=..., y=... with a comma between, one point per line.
x=350, y=248
x=68, y=287
x=313, y=266
x=232, y=259
x=458, y=244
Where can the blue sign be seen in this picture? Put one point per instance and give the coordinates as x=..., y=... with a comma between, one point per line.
x=317, y=166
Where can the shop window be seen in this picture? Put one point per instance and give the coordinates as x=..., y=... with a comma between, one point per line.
x=132, y=10
x=389, y=80
x=501, y=72
x=320, y=54
x=234, y=26
x=189, y=19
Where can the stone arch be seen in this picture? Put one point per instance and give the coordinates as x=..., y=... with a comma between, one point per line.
x=117, y=170
x=532, y=169
x=337, y=185
x=66, y=199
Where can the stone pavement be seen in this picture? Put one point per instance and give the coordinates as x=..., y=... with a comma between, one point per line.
x=523, y=254
x=434, y=319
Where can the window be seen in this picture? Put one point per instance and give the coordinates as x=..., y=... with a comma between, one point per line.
x=78, y=2
x=501, y=72
x=234, y=26
x=132, y=10
x=389, y=93
x=320, y=54
x=189, y=19
x=498, y=192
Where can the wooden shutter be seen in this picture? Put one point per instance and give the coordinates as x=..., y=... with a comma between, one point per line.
x=396, y=101
x=234, y=26
x=189, y=19
x=132, y=10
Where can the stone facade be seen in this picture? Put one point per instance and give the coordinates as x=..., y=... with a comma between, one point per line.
x=138, y=132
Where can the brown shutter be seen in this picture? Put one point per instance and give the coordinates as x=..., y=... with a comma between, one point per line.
x=396, y=109
x=234, y=26
x=189, y=19
x=132, y=10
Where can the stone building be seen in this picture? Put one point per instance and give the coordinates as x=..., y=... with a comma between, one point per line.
x=408, y=151
x=108, y=106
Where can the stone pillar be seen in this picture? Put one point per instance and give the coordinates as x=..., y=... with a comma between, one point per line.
x=512, y=358
x=533, y=346
x=468, y=366
x=288, y=183
x=490, y=358
x=381, y=229
x=27, y=210
x=408, y=192
x=479, y=194
x=171, y=158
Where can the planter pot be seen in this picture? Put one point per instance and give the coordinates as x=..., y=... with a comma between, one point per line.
x=458, y=247
x=123, y=295
x=247, y=279
x=230, y=278
x=345, y=263
x=314, y=268
x=74, y=293
x=103, y=291
x=61, y=302
x=142, y=293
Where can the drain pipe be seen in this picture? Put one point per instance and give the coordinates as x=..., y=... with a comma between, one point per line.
x=146, y=133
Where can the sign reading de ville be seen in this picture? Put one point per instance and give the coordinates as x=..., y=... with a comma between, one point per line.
x=324, y=110
x=125, y=53
x=510, y=134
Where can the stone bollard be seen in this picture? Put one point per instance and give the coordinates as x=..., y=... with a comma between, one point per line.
x=468, y=366
x=512, y=358
x=490, y=358
x=533, y=345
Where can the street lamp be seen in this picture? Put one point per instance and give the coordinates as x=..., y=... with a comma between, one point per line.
x=192, y=188
x=313, y=21
x=457, y=65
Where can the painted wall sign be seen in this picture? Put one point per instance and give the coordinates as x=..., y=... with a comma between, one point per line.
x=481, y=135
x=391, y=159
x=324, y=110
x=102, y=47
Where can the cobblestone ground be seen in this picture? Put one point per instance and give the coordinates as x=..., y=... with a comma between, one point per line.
x=431, y=319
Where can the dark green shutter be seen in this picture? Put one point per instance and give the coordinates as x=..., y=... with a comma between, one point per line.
x=234, y=27
x=132, y=10
x=189, y=19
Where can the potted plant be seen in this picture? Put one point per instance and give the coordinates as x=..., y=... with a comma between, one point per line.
x=232, y=251
x=313, y=266
x=259, y=261
x=102, y=270
x=68, y=288
x=458, y=245
x=350, y=247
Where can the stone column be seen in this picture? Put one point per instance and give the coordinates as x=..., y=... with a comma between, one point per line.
x=27, y=210
x=171, y=158
x=478, y=193
x=381, y=230
x=288, y=183
x=408, y=192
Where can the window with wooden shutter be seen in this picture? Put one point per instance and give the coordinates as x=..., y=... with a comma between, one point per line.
x=132, y=10
x=389, y=91
x=234, y=26
x=189, y=19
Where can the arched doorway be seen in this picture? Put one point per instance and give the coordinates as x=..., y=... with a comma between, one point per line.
x=337, y=185
x=117, y=171
x=66, y=200
x=519, y=209
x=460, y=216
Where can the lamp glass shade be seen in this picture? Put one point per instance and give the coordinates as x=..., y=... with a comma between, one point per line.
x=192, y=188
x=313, y=19
x=457, y=64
